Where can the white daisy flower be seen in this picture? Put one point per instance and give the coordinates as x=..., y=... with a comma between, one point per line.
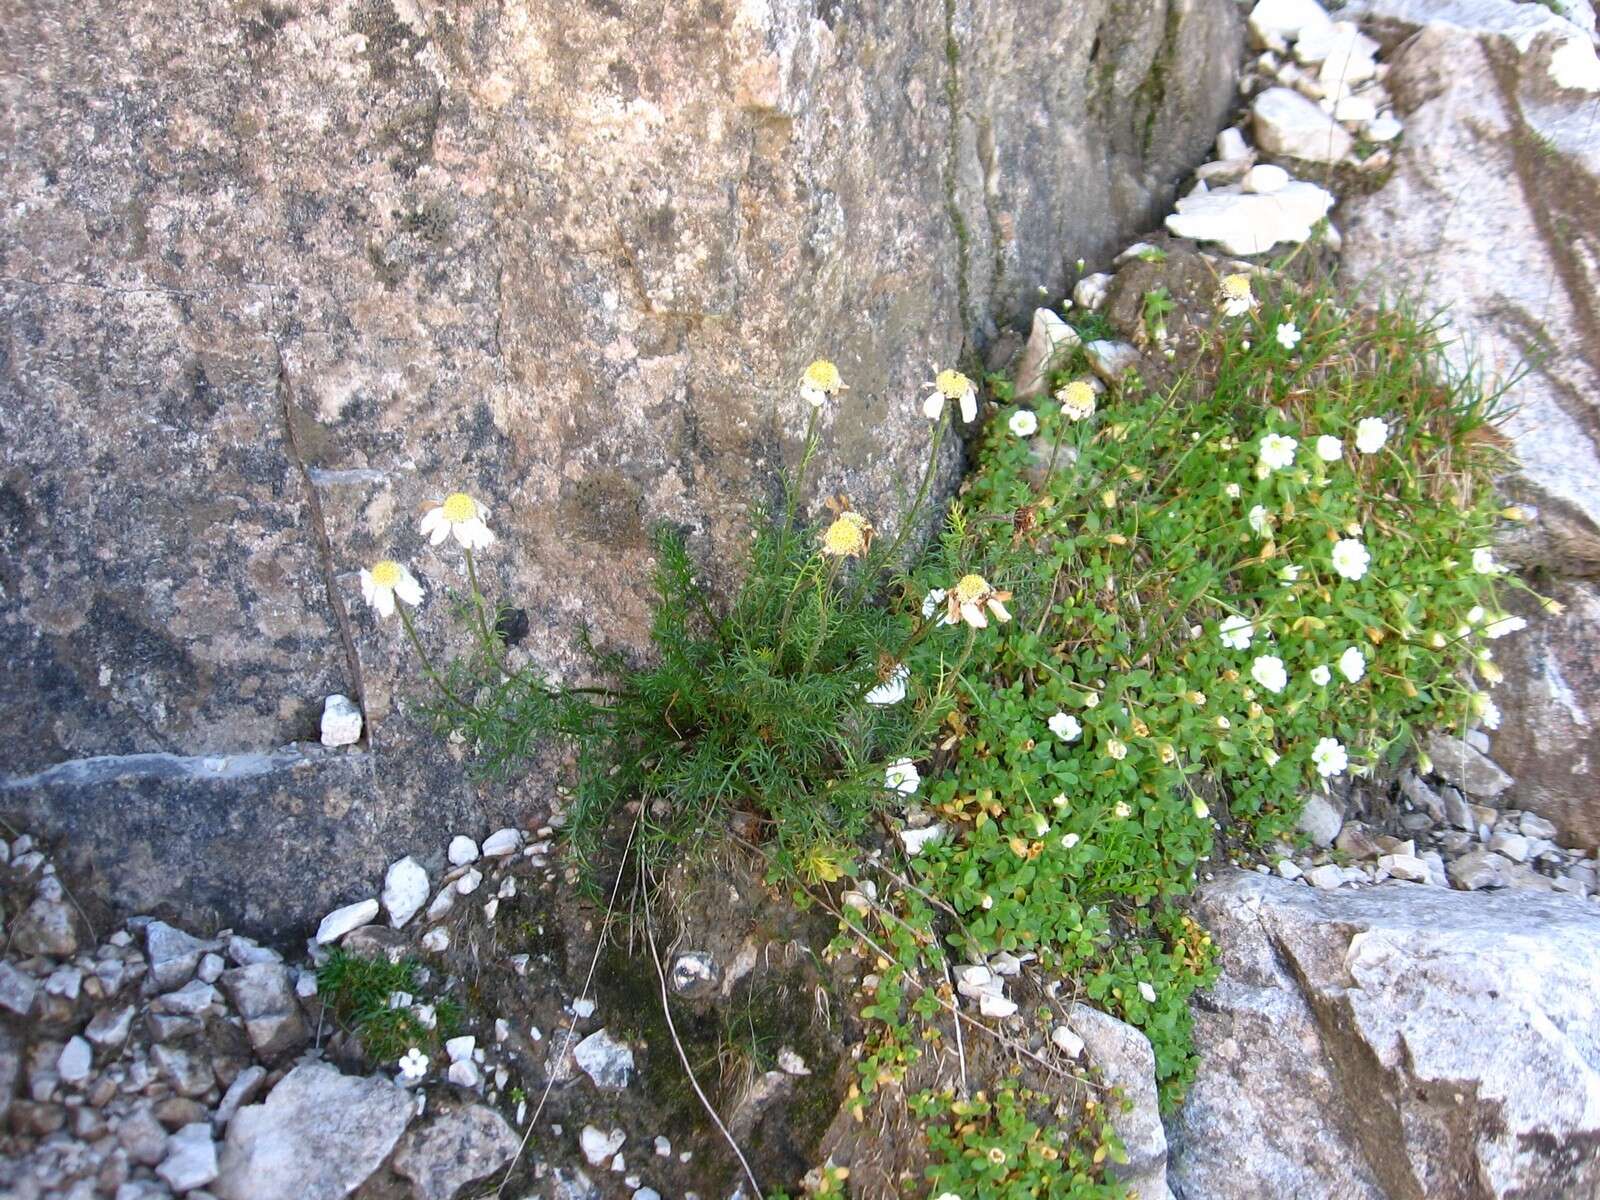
x=1236, y=632
x=461, y=515
x=821, y=383
x=1288, y=335
x=1234, y=295
x=413, y=1065
x=1065, y=726
x=1260, y=520
x=1353, y=664
x=1148, y=992
x=951, y=386
x=1277, y=451
x=970, y=596
x=1077, y=400
x=1320, y=675
x=893, y=689
x=902, y=776
x=384, y=581
x=1329, y=448
x=1023, y=423
x=1350, y=558
x=1267, y=670
x=1483, y=562
x=1371, y=434
x=1329, y=757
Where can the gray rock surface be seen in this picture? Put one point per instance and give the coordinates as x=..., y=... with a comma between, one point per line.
x=318, y=1136
x=459, y=1145
x=1489, y=217
x=264, y=996
x=1123, y=1057
x=1397, y=1041
x=1458, y=763
x=278, y=279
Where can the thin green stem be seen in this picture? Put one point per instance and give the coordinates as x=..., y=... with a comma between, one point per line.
x=910, y=518
x=792, y=499
x=491, y=644
x=427, y=663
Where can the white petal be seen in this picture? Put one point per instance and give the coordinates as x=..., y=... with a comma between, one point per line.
x=973, y=615
x=441, y=530
x=409, y=590
x=430, y=522
x=969, y=406
x=367, y=586
x=933, y=405
x=383, y=601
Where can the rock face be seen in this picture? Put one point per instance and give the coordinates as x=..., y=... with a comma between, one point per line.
x=1399, y=1042
x=1490, y=215
x=266, y=296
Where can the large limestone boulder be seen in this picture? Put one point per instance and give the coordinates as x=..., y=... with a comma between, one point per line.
x=1490, y=216
x=276, y=276
x=1398, y=1042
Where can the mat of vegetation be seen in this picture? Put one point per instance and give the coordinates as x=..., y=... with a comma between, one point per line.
x=1158, y=616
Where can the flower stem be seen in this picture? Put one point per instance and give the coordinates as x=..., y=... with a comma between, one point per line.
x=427, y=663
x=910, y=518
x=491, y=644
x=793, y=490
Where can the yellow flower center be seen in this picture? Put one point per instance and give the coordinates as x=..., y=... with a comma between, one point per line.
x=1236, y=287
x=823, y=376
x=459, y=507
x=847, y=537
x=952, y=385
x=971, y=588
x=386, y=574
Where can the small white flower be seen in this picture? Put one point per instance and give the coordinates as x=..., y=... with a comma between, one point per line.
x=1353, y=664
x=1234, y=296
x=1224, y=724
x=1065, y=726
x=1288, y=335
x=1148, y=992
x=1070, y=840
x=1289, y=574
x=386, y=580
x=1329, y=448
x=1202, y=810
x=1260, y=520
x=1490, y=716
x=1483, y=562
x=902, y=776
x=1277, y=451
x=1475, y=614
x=461, y=515
x=932, y=603
x=1267, y=670
x=1329, y=757
x=1371, y=434
x=1236, y=632
x=1232, y=491
x=1121, y=811
x=893, y=689
x=1320, y=675
x=1350, y=558
x=1500, y=626
x=1023, y=423
x=413, y=1065
x=1117, y=749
